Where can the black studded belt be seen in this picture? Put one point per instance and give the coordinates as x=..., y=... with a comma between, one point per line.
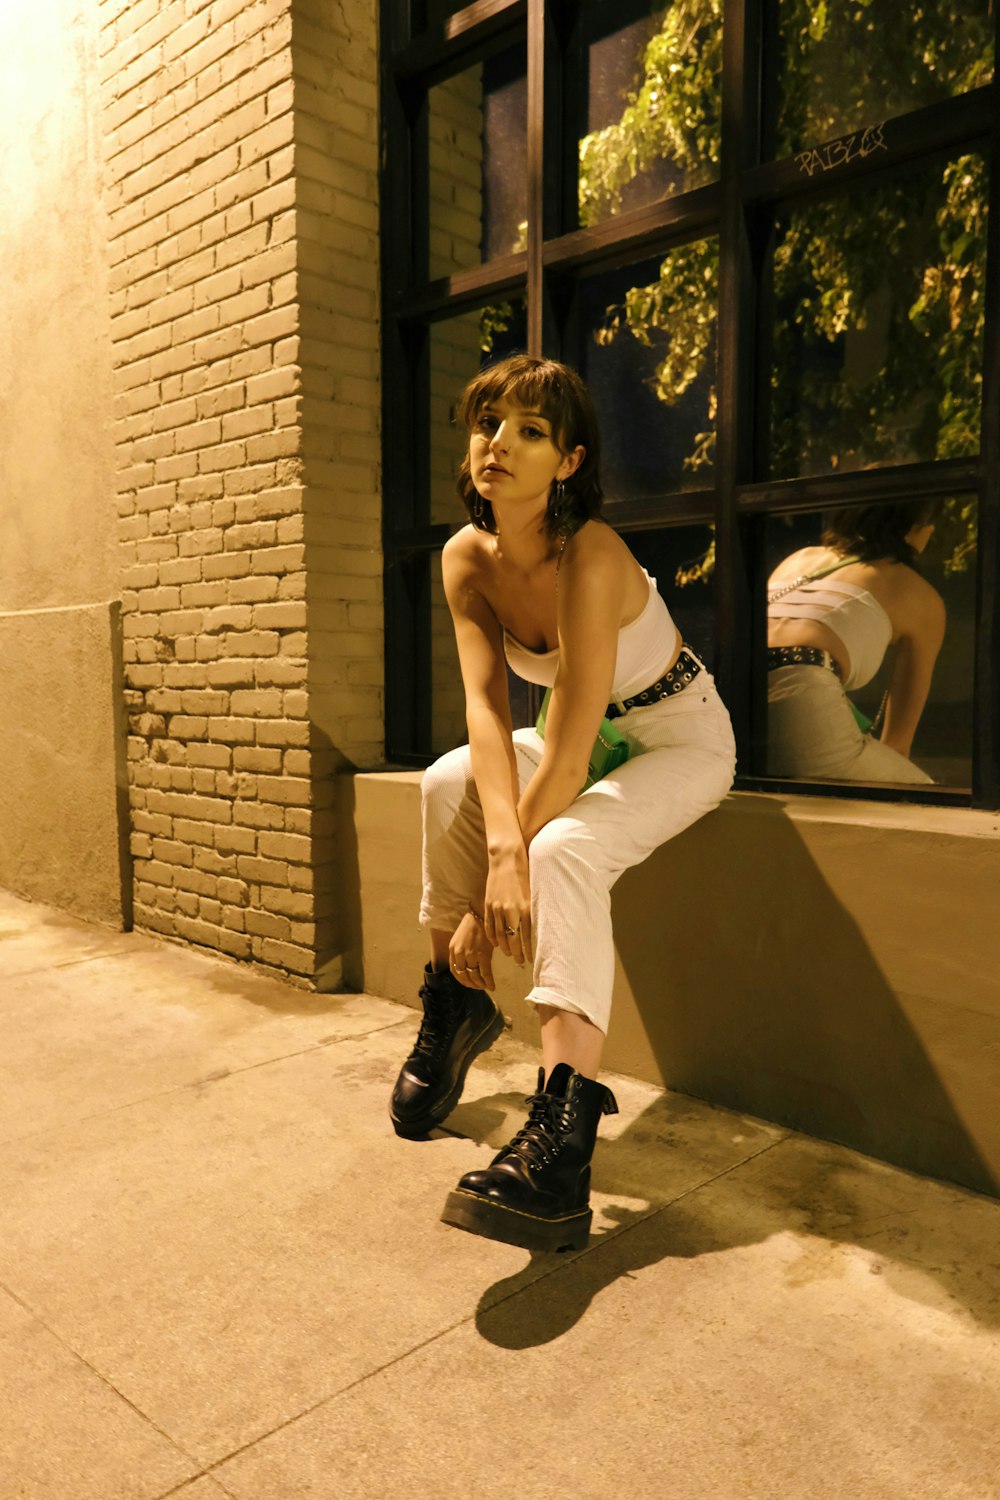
x=800, y=656
x=683, y=672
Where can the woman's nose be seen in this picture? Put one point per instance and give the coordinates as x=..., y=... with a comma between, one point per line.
x=499, y=438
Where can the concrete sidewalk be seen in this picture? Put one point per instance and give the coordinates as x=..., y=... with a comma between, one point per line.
x=221, y=1274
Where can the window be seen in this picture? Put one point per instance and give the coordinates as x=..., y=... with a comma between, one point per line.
x=780, y=279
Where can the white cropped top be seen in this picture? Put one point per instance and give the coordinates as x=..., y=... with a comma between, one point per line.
x=645, y=647
x=854, y=616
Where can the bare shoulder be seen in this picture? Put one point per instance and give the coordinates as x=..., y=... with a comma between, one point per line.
x=464, y=547
x=802, y=561
x=918, y=598
x=914, y=606
x=463, y=558
x=596, y=547
x=465, y=569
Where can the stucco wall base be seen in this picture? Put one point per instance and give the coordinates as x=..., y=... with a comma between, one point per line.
x=834, y=967
x=62, y=823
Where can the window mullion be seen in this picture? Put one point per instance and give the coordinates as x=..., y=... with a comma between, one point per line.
x=734, y=444
x=536, y=161
x=986, y=691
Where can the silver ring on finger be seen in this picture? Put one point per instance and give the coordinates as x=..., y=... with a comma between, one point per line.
x=510, y=931
x=459, y=970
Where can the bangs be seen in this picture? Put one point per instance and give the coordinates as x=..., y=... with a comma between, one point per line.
x=539, y=388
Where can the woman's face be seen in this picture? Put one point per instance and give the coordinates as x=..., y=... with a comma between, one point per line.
x=512, y=456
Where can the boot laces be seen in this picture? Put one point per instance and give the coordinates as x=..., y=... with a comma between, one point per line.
x=542, y=1136
x=436, y=1027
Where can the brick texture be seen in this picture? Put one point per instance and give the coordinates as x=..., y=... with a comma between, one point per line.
x=242, y=207
x=336, y=144
x=455, y=182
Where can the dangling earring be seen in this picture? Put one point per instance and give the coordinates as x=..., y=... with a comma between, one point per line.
x=559, y=506
x=477, y=507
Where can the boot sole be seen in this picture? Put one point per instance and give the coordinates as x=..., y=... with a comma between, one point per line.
x=513, y=1227
x=412, y=1130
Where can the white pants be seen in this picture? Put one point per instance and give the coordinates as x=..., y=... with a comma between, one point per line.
x=811, y=731
x=681, y=763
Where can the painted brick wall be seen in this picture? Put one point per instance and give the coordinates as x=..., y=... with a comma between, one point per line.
x=225, y=463
x=335, y=63
x=455, y=123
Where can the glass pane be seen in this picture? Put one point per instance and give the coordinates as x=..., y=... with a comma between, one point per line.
x=478, y=173
x=919, y=599
x=459, y=348
x=447, y=694
x=682, y=560
x=651, y=103
x=844, y=66
x=878, y=336
x=648, y=355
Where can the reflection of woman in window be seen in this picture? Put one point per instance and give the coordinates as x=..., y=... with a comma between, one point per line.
x=832, y=613
x=516, y=857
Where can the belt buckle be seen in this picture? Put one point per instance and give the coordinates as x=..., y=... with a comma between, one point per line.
x=619, y=703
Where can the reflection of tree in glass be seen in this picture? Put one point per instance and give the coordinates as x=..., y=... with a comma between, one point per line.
x=908, y=257
x=913, y=250
x=674, y=114
x=495, y=318
x=846, y=63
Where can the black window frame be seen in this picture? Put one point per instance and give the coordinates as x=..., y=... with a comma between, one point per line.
x=424, y=42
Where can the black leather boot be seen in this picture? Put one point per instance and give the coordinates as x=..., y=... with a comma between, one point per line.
x=536, y=1192
x=458, y=1024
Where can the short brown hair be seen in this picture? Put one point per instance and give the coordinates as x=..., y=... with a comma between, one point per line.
x=874, y=532
x=557, y=392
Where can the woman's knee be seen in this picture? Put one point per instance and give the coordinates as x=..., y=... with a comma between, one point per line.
x=561, y=842
x=447, y=780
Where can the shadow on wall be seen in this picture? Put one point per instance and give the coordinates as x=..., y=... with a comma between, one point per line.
x=757, y=989
x=348, y=876
x=335, y=869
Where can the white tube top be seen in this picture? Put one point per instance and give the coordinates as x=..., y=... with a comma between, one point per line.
x=645, y=647
x=855, y=617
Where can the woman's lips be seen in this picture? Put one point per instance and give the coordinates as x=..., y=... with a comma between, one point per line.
x=495, y=469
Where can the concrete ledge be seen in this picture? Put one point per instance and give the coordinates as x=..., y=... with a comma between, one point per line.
x=832, y=966
x=63, y=799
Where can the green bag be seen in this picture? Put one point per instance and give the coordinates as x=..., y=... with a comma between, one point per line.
x=871, y=726
x=610, y=747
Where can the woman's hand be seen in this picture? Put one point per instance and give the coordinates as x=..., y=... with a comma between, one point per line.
x=507, y=906
x=470, y=954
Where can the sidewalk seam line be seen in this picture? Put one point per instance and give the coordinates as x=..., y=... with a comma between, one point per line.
x=69, y=963
x=462, y=1322
x=181, y=1088
x=104, y=1380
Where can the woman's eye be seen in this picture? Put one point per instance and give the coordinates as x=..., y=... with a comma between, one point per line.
x=533, y=432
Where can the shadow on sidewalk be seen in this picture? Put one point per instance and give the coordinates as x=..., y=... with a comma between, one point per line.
x=927, y=1240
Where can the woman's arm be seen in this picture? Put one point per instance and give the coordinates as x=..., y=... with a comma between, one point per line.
x=592, y=583
x=921, y=625
x=487, y=704
x=506, y=902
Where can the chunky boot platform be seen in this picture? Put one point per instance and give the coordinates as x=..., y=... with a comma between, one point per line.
x=536, y=1192
x=458, y=1024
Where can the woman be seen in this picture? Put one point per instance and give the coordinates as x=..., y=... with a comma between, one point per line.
x=517, y=858
x=832, y=613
